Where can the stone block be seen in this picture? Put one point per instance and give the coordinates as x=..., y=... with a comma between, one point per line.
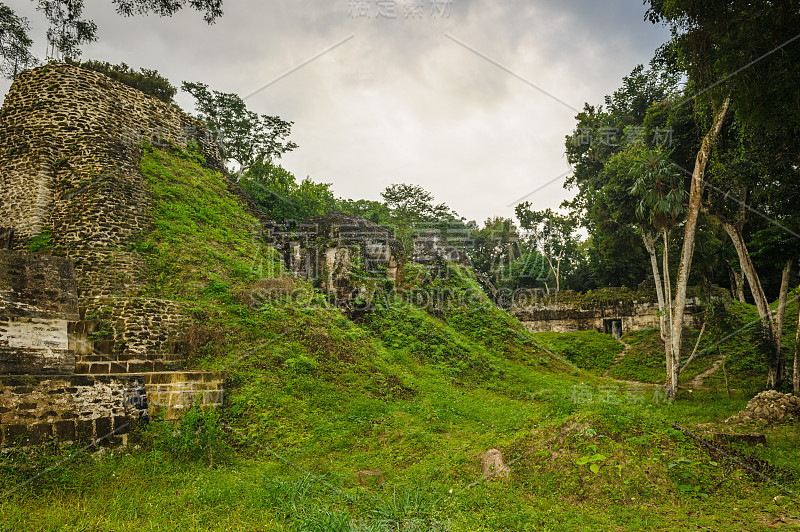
x=41, y=433
x=103, y=427
x=64, y=430
x=122, y=425
x=84, y=430
x=100, y=368
x=17, y=435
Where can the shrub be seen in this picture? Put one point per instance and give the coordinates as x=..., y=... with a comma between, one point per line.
x=40, y=241
x=198, y=436
x=146, y=80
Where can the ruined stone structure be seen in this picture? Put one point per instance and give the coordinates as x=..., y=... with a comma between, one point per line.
x=344, y=254
x=83, y=353
x=616, y=316
x=431, y=247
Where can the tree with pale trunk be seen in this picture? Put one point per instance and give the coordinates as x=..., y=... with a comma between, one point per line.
x=15, y=44
x=68, y=31
x=741, y=60
x=553, y=235
x=661, y=201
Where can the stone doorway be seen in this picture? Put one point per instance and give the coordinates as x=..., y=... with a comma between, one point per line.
x=613, y=327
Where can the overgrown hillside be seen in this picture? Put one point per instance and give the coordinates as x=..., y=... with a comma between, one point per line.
x=380, y=423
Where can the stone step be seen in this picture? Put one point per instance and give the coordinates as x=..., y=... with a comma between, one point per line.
x=176, y=391
x=101, y=365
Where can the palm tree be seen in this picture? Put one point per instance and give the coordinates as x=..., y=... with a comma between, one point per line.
x=661, y=201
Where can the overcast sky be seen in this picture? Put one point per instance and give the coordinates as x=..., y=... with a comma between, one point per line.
x=469, y=99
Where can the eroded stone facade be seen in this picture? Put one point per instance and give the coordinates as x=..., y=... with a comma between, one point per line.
x=71, y=142
x=82, y=352
x=611, y=316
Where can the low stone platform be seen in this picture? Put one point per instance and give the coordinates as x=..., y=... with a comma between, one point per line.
x=70, y=408
x=35, y=409
x=176, y=391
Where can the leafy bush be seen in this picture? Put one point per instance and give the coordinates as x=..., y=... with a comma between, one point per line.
x=40, y=241
x=197, y=437
x=146, y=80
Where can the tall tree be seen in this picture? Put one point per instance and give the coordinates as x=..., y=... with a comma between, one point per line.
x=495, y=248
x=603, y=202
x=553, y=234
x=68, y=31
x=754, y=197
x=15, y=44
x=739, y=56
x=689, y=239
x=243, y=136
x=413, y=212
x=661, y=196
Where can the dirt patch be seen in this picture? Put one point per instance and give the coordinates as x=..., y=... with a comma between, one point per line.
x=697, y=382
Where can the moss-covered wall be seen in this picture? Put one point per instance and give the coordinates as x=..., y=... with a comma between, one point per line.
x=73, y=205
x=68, y=158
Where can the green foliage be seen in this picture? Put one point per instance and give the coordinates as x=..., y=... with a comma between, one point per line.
x=198, y=437
x=588, y=350
x=277, y=193
x=201, y=237
x=419, y=391
x=553, y=235
x=242, y=135
x=603, y=202
x=15, y=44
x=374, y=211
x=412, y=213
x=146, y=80
x=67, y=31
x=41, y=241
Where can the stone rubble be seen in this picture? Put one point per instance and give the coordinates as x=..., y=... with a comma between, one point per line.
x=771, y=407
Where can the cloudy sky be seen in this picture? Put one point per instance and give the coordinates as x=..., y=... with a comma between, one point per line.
x=470, y=99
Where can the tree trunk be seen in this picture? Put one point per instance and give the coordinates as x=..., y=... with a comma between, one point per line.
x=690, y=232
x=796, y=377
x=780, y=363
x=760, y=298
x=737, y=283
x=558, y=274
x=673, y=369
x=650, y=244
x=667, y=283
x=696, y=345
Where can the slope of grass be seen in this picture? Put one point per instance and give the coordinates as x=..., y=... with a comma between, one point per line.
x=590, y=350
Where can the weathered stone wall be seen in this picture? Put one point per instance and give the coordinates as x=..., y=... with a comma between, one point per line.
x=68, y=158
x=177, y=391
x=128, y=335
x=38, y=297
x=80, y=408
x=70, y=146
x=569, y=317
x=341, y=253
x=102, y=273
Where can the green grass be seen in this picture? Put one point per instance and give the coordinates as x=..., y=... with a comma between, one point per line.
x=419, y=393
x=589, y=350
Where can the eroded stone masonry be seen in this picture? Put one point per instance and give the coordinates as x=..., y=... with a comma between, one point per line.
x=83, y=354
